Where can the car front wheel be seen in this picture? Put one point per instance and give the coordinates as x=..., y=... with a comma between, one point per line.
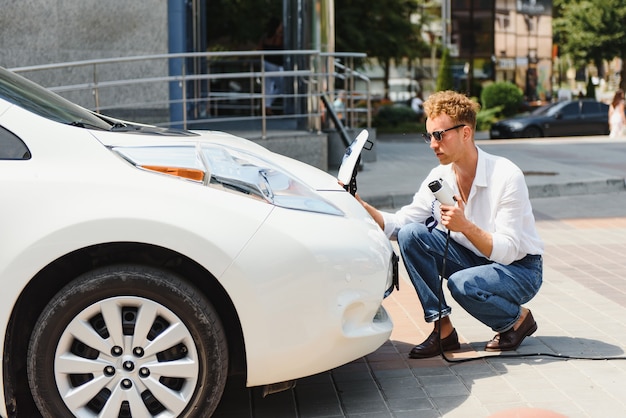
x=532, y=132
x=128, y=341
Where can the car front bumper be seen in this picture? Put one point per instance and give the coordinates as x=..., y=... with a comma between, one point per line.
x=504, y=132
x=311, y=300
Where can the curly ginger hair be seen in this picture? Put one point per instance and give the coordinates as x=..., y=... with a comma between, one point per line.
x=459, y=107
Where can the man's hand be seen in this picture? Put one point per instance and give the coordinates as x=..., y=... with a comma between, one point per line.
x=453, y=218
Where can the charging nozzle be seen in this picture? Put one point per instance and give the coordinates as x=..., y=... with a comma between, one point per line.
x=442, y=192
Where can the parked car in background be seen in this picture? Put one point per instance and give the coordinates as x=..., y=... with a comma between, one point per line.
x=140, y=266
x=565, y=118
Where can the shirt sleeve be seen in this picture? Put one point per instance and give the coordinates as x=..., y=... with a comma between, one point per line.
x=417, y=211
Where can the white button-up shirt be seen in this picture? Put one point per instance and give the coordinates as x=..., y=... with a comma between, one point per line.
x=498, y=203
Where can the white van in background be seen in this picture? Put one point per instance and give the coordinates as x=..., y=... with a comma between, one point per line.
x=402, y=89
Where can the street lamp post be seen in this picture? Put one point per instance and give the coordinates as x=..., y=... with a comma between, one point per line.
x=445, y=23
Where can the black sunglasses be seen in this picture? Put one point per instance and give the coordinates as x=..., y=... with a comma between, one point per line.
x=438, y=135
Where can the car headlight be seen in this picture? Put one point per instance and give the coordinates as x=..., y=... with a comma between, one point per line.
x=515, y=126
x=230, y=169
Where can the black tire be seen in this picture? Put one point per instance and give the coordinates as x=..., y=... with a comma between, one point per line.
x=532, y=132
x=128, y=338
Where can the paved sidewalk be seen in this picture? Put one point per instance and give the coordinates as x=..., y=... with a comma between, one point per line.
x=553, y=166
x=580, y=310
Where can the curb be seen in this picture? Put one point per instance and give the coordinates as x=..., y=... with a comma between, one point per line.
x=577, y=188
x=397, y=200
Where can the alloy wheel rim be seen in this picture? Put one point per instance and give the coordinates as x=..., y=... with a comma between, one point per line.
x=126, y=356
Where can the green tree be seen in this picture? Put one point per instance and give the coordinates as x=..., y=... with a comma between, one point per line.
x=445, y=80
x=382, y=29
x=592, y=30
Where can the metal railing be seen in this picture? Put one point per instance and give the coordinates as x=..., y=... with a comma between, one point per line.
x=214, y=90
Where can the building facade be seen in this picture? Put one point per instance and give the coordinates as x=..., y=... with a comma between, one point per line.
x=502, y=40
x=35, y=32
x=523, y=46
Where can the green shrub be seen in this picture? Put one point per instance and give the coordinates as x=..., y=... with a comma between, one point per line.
x=394, y=115
x=502, y=94
x=397, y=119
x=485, y=117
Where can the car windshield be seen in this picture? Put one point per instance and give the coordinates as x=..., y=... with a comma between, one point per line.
x=34, y=98
x=41, y=101
x=547, y=109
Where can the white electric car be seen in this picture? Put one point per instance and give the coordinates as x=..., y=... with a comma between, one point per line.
x=140, y=266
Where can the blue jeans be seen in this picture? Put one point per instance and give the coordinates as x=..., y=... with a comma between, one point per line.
x=492, y=293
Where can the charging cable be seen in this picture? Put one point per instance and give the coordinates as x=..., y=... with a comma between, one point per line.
x=490, y=356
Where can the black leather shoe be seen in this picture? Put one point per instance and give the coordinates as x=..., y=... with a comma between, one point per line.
x=511, y=339
x=430, y=347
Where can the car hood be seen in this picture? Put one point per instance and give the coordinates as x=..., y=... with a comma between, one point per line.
x=314, y=177
x=519, y=119
x=131, y=139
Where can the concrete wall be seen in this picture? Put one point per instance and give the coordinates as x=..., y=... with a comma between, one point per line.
x=35, y=32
